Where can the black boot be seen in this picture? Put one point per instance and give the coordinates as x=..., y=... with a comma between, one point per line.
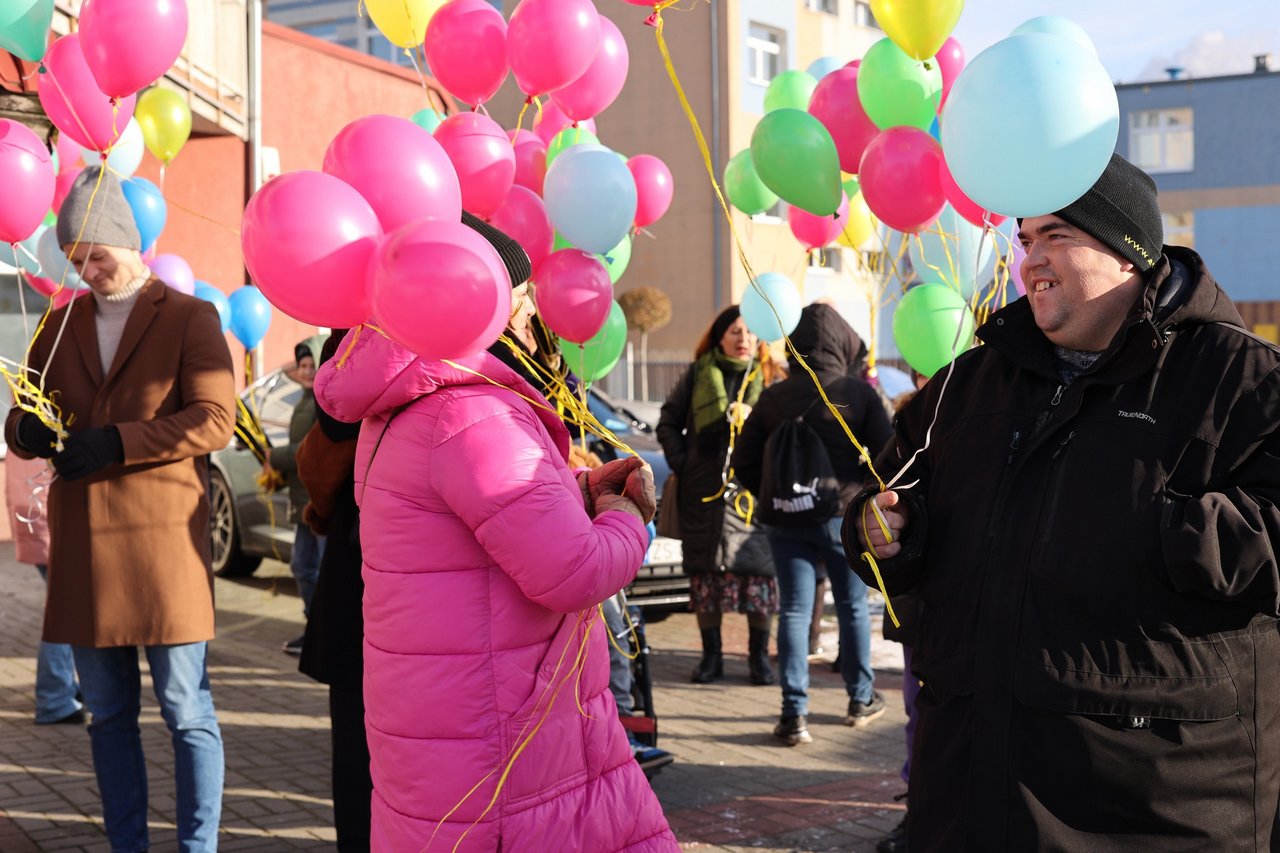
x=711, y=667
x=758, y=657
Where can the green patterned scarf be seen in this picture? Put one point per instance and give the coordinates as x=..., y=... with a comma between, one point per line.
x=710, y=397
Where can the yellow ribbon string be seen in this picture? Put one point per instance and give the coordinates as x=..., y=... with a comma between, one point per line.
x=869, y=558
x=613, y=641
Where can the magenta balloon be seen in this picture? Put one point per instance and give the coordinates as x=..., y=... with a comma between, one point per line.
x=531, y=159
x=64, y=296
x=950, y=59
x=599, y=85
x=308, y=238
x=575, y=294
x=899, y=178
x=399, y=168
x=175, y=272
x=40, y=284
x=62, y=185
x=482, y=156
x=654, y=188
x=466, y=47
x=965, y=206
x=835, y=103
x=550, y=121
x=68, y=152
x=73, y=101
x=130, y=44
x=551, y=43
x=26, y=173
x=814, y=231
x=459, y=308
x=523, y=217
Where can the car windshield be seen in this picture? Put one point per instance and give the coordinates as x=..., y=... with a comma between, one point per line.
x=273, y=398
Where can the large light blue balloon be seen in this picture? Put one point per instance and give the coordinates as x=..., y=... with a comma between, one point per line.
x=824, y=65
x=590, y=197
x=955, y=252
x=53, y=262
x=1057, y=26
x=771, y=308
x=1030, y=124
x=25, y=257
x=206, y=291
x=149, y=210
x=250, y=315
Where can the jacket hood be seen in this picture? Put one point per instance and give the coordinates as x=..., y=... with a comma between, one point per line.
x=313, y=345
x=827, y=342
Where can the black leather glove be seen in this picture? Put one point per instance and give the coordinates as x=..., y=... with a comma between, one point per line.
x=35, y=437
x=88, y=452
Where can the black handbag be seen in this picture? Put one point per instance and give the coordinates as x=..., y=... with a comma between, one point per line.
x=668, y=520
x=744, y=548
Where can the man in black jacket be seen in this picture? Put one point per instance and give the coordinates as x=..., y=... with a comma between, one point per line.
x=1092, y=531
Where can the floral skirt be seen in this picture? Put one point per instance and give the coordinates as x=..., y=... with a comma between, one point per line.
x=726, y=592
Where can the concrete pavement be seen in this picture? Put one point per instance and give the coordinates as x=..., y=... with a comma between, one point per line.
x=732, y=787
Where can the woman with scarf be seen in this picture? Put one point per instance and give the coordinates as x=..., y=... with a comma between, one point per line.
x=694, y=431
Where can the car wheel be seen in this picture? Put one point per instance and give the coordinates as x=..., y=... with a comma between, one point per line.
x=224, y=539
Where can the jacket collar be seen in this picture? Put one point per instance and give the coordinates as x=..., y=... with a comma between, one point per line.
x=85, y=332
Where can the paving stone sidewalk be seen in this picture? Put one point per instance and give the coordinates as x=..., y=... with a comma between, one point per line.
x=732, y=787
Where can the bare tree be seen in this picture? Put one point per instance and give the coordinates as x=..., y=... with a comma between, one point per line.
x=647, y=309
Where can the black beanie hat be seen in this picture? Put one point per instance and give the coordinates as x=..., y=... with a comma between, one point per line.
x=1121, y=211
x=514, y=258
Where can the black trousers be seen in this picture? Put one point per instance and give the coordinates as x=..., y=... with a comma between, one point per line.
x=352, y=785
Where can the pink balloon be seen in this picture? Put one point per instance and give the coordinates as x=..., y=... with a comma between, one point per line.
x=62, y=185
x=72, y=100
x=466, y=48
x=965, y=206
x=26, y=173
x=40, y=284
x=68, y=152
x=551, y=121
x=175, y=272
x=308, y=238
x=483, y=157
x=574, y=294
x=899, y=178
x=531, y=159
x=130, y=44
x=459, y=308
x=950, y=59
x=814, y=231
x=399, y=168
x=599, y=85
x=853, y=64
x=1015, y=268
x=523, y=217
x=835, y=103
x=551, y=43
x=65, y=295
x=654, y=188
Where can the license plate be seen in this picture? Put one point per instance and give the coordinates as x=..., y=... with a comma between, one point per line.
x=664, y=550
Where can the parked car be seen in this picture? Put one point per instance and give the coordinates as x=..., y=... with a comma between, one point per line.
x=248, y=525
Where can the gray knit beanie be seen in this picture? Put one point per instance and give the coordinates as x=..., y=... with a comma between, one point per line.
x=110, y=219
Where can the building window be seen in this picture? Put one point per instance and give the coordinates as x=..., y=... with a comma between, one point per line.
x=831, y=7
x=863, y=17
x=1162, y=140
x=766, y=54
x=773, y=215
x=1180, y=228
x=826, y=261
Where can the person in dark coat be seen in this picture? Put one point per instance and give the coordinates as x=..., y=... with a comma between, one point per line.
x=693, y=429
x=1092, y=531
x=832, y=349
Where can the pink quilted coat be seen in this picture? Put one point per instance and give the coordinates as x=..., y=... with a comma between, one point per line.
x=490, y=722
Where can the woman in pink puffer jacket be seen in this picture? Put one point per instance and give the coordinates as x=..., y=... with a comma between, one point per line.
x=490, y=722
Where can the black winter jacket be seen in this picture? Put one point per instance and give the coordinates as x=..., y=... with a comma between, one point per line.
x=1098, y=634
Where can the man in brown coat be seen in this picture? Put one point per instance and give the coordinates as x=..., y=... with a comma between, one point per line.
x=143, y=378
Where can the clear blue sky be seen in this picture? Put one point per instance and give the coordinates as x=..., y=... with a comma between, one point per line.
x=1136, y=40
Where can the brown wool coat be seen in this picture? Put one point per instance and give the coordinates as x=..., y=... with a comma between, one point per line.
x=129, y=550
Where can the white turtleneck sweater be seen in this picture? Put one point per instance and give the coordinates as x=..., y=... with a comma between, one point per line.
x=110, y=315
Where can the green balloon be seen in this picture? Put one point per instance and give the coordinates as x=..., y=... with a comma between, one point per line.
x=790, y=90
x=924, y=327
x=796, y=158
x=896, y=90
x=743, y=186
x=851, y=187
x=568, y=138
x=427, y=119
x=51, y=219
x=594, y=359
x=24, y=27
x=617, y=259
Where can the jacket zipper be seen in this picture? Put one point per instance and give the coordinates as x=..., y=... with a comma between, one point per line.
x=1014, y=444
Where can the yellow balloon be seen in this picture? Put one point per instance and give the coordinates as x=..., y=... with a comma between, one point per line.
x=165, y=120
x=861, y=225
x=919, y=27
x=403, y=22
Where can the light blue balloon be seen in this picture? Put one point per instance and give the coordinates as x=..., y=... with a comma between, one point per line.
x=206, y=291
x=955, y=252
x=591, y=197
x=771, y=308
x=26, y=256
x=53, y=262
x=824, y=65
x=149, y=209
x=1057, y=26
x=250, y=315
x=1030, y=125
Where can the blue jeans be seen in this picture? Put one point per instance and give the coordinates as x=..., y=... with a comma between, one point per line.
x=55, y=679
x=308, y=548
x=620, y=677
x=112, y=685
x=796, y=551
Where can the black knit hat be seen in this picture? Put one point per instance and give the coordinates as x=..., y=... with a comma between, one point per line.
x=514, y=257
x=1122, y=212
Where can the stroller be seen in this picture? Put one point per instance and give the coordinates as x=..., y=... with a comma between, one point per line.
x=642, y=723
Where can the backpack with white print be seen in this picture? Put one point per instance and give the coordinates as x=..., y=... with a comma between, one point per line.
x=798, y=486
